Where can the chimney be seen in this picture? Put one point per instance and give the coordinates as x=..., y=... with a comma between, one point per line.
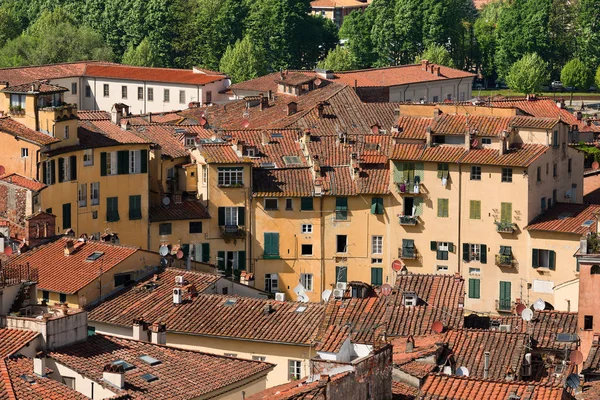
x=267, y=309
x=140, y=330
x=158, y=333
x=177, y=198
x=125, y=125
x=69, y=247
x=115, y=375
x=318, y=187
x=307, y=135
x=583, y=245
x=436, y=113
x=596, y=338
x=486, y=364
x=438, y=70
x=578, y=115
x=115, y=114
x=320, y=109
x=264, y=138
x=148, y=117
x=39, y=364
x=269, y=94
x=261, y=103
x=292, y=108
x=410, y=344
x=424, y=65
x=396, y=113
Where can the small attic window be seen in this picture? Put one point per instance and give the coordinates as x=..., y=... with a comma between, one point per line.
x=230, y=302
x=276, y=135
x=28, y=378
x=290, y=160
x=268, y=165
x=564, y=215
x=251, y=152
x=588, y=223
x=126, y=366
x=190, y=141
x=149, y=360
x=149, y=377
x=180, y=130
x=409, y=299
x=94, y=256
x=301, y=309
x=371, y=146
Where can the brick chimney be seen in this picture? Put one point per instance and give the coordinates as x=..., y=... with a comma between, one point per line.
x=140, y=331
x=292, y=108
x=320, y=109
x=424, y=64
x=158, y=333
x=438, y=70
x=69, y=247
x=114, y=375
x=177, y=198
x=39, y=227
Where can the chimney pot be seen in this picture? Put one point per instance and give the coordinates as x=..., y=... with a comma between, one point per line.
x=39, y=364
x=115, y=375
x=140, y=331
x=292, y=108
x=158, y=333
x=267, y=309
x=486, y=365
x=424, y=64
x=320, y=109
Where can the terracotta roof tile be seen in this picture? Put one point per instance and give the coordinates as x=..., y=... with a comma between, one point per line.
x=517, y=156
x=221, y=153
x=271, y=145
x=19, y=75
x=150, y=74
x=592, y=363
x=532, y=122
x=181, y=374
x=293, y=182
x=53, y=265
x=23, y=181
x=177, y=211
x=295, y=78
x=450, y=124
x=402, y=391
x=34, y=87
x=566, y=218
x=92, y=115
x=413, y=127
x=209, y=315
x=169, y=137
x=301, y=389
x=340, y=3
x=424, y=345
x=14, y=128
x=418, y=369
x=447, y=154
x=12, y=340
x=333, y=339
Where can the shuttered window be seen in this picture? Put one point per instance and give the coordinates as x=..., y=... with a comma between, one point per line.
x=541, y=258
x=271, y=243
x=408, y=248
x=306, y=204
x=506, y=213
x=505, y=296
x=341, y=208
x=112, y=209
x=475, y=209
x=135, y=207
x=205, y=252
x=442, y=171
x=474, y=288
x=66, y=217
x=442, y=208
x=341, y=274
x=376, y=276
x=377, y=205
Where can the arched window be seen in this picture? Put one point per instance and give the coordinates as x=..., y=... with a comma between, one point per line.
x=595, y=269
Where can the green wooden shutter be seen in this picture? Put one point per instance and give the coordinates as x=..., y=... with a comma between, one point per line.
x=474, y=288
x=418, y=204
x=420, y=171
x=376, y=276
x=271, y=245
x=306, y=204
x=112, y=209
x=483, y=256
x=506, y=212
x=442, y=208
x=275, y=244
x=103, y=164
x=221, y=216
x=66, y=209
x=205, y=252
x=123, y=162
x=398, y=172
x=185, y=248
x=52, y=172
x=135, y=207
x=433, y=246
x=552, y=260
x=242, y=260
x=73, y=166
x=409, y=172
x=377, y=205
x=505, y=295
x=475, y=209
x=61, y=169
x=221, y=260
x=466, y=255
x=44, y=169
x=241, y=216
x=144, y=159
x=451, y=247
x=535, y=255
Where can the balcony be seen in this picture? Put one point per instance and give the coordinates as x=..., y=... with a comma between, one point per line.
x=504, y=260
x=408, y=220
x=61, y=112
x=408, y=253
x=505, y=227
x=233, y=232
x=415, y=188
x=504, y=305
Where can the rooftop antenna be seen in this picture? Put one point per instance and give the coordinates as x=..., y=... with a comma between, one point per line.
x=326, y=295
x=539, y=305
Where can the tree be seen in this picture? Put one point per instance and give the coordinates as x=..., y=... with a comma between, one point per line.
x=356, y=30
x=588, y=32
x=576, y=75
x=486, y=36
x=528, y=74
x=436, y=54
x=141, y=55
x=597, y=78
x=338, y=59
x=243, y=61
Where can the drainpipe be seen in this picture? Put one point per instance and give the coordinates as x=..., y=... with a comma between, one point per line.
x=458, y=88
x=459, y=250
x=249, y=232
x=486, y=365
x=95, y=93
x=404, y=93
x=36, y=115
x=145, y=96
x=322, y=217
x=198, y=95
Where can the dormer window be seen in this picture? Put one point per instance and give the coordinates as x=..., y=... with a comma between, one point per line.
x=190, y=141
x=251, y=152
x=409, y=299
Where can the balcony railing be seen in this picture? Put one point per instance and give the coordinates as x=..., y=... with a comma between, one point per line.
x=233, y=232
x=408, y=254
x=505, y=227
x=409, y=220
x=503, y=305
x=409, y=187
x=62, y=111
x=504, y=260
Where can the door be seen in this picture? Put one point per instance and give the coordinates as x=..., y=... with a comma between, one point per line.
x=505, y=302
x=409, y=203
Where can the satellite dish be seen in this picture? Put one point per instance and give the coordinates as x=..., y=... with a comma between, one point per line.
x=386, y=289
x=179, y=254
x=303, y=298
x=397, y=265
x=462, y=371
x=437, y=327
x=163, y=250
x=527, y=314
x=539, y=305
x=474, y=143
x=595, y=165
x=245, y=123
x=326, y=295
x=375, y=129
x=318, y=82
x=202, y=121
x=576, y=357
x=8, y=251
x=299, y=290
x=2, y=170
x=520, y=308
x=166, y=201
x=573, y=381
x=164, y=262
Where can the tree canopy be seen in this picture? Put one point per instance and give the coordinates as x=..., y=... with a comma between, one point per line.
x=243, y=61
x=436, y=54
x=528, y=74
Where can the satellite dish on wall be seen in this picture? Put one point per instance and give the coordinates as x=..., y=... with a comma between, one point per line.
x=8, y=251
x=202, y=121
x=520, y=308
x=164, y=262
x=595, y=165
x=299, y=290
x=2, y=170
x=437, y=327
x=462, y=371
x=179, y=254
x=397, y=265
x=539, y=305
x=326, y=295
x=245, y=123
x=386, y=289
x=303, y=298
x=527, y=314
x=166, y=201
x=163, y=250
x=573, y=381
x=576, y=357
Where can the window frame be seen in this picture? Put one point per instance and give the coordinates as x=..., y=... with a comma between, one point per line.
x=24, y=152
x=94, y=200
x=474, y=252
x=73, y=87
x=166, y=95
x=150, y=94
x=337, y=243
x=307, y=280
x=443, y=210
x=82, y=195
x=302, y=253
x=274, y=201
x=124, y=91
x=88, y=91
x=289, y=204
x=162, y=228
x=306, y=229
x=294, y=370
x=88, y=157
x=230, y=176
x=194, y=224
x=377, y=244
x=106, y=90
x=140, y=93
x=273, y=283
x=475, y=172
x=182, y=97
x=507, y=175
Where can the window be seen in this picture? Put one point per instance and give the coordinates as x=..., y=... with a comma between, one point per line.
x=135, y=207
x=259, y=358
x=547, y=168
x=106, y=90
x=82, y=195
x=170, y=173
x=271, y=204
x=442, y=171
x=588, y=322
x=486, y=140
x=554, y=170
x=74, y=88
x=66, y=132
x=66, y=168
x=506, y=213
x=109, y=163
x=135, y=161
x=271, y=245
x=165, y=228
x=204, y=175
x=66, y=218
x=271, y=283
x=507, y=174
x=140, y=93
x=474, y=288
x=341, y=244
x=341, y=208
x=436, y=99
x=541, y=258
x=182, y=97
x=539, y=174
x=307, y=228
x=376, y=260
x=45, y=295
x=289, y=204
x=231, y=216
x=341, y=274
x=377, y=205
x=88, y=157
x=306, y=280
x=595, y=270
x=505, y=303
x=166, y=96
x=306, y=204
x=543, y=204
x=112, y=209
x=150, y=94
x=570, y=165
x=307, y=249
x=442, y=208
x=442, y=249
x=88, y=91
x=555, y=139
x=441, y=268
x=475, y=209
x=24, y=152
x=376, y=276
x=295, y=370
x=230, y=176
x=17, y=101
x=408, y=249
x=196, y=227
x=49, y=172
x=122, y=279
x=95, y=193
x=62, y=298
x=475, y=252
x=377, y=244
x=209, y=96
x=474, y=271
x=475, y=173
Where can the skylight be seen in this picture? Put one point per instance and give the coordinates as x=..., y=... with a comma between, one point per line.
x=291, y=160
x=301, y=309
x=230, y=302
x=564, y=215
x=269, y=165
x=277, y=135
x=566, y=337
x=126, y=366
x=94, y=256
x=149, y=360
x=149, y=377
x=371, y=146
x=588, y=223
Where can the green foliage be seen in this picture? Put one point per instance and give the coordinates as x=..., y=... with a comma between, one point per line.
x=338, y=59
x=576, y=74
x=597, y=77
x=143, y=55
x=486, y=35
x=243, y=61
x=356, y=29
x=436, y=54
x=588, y=32
x=528, y=74
x=590, y=151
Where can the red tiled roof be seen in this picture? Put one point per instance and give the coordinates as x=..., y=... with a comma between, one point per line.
x=266, y=82
x=591, y=189
x=592, y=363
x=177, y=211
x=402, y=391
x=448, y=387
x=182, y=374
x=14, y=128
x=533, y=122
x=12, y=340
x=295, y=78
x=333, y=339
x=294, y=182
x=23, y=181
x=170, y=140
x=40, y=87
x=450, y=124
x=223, y=153
x=449, y=154
x=208, y=315
x=566, y=218
x=53, y=265
x=418, y=369
x=271, y=145
x=413, y=127
x=171, y=118
x=302, y=389
x=149, y=74
x=339, y=3
x=423, y=346
x=521, y=156
x=25, y=74
x=540, y=107
x=92, y=115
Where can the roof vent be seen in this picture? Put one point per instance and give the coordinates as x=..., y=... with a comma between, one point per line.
x=267, y=309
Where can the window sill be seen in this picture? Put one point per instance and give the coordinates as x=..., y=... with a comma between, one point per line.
x=230, y=186
x=116, y=220
x=271, y=257
x=271, y=209
x=135, y=219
